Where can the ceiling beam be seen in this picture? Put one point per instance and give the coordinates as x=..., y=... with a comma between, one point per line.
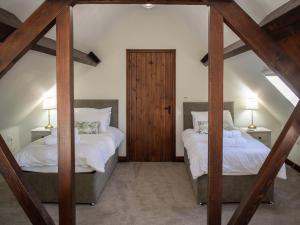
x=9, y=23
x=278, y=60
x=279, y=24
x=35, y=27
x=157, y=2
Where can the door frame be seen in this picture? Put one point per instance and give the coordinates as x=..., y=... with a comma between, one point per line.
x=173, y=102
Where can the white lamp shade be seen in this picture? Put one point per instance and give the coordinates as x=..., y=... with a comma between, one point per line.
x=252, y=104
x=49, y=103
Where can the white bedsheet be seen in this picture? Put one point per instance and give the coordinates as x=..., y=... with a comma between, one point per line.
x=244, y=160
x=92, y=153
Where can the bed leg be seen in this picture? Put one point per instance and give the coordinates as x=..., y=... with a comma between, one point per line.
x=93, y=204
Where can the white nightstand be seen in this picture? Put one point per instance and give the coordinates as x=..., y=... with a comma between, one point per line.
x=260, y=133
x=39, y=133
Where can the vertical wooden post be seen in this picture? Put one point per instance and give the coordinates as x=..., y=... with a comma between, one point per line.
x=65, y=115
x=215, y=117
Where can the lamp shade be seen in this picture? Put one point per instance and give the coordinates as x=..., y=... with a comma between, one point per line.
x=49, y=103
x=252, y=103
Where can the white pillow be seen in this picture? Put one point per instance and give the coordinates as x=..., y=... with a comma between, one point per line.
x=227, y=118
x=92, y=115
x=203, y=116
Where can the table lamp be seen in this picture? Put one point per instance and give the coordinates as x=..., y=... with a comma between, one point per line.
x=252, y=104
x=49, y=104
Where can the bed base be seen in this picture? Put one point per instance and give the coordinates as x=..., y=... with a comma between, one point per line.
x=234, y=187
x=88, y=186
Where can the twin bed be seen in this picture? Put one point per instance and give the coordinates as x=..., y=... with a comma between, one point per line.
x=96, y=158
x=240, y=163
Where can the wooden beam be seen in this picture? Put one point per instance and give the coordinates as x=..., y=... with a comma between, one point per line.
x=215, y=117
x=282, y=23
x=231, y=50
x=27, y=198
x=269, y=170
x=10, y=22
x=261, y=43
x=65, y=116
x=158, y=2
x=20, y=41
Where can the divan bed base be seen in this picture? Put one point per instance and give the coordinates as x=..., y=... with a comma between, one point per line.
x=234, y=187
x=88, y=186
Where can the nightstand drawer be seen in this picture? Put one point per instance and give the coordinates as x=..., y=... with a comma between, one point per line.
x=263, y=137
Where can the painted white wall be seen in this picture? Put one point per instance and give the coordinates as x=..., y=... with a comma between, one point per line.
x=109, y=31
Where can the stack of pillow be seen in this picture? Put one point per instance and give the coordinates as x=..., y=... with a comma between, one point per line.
x=232, y=137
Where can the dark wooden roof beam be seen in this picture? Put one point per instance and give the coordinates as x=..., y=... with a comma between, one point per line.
x=280, y=24
x=10, y=22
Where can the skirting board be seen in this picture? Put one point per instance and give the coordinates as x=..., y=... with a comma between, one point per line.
x=293, y=165
x=125, y=159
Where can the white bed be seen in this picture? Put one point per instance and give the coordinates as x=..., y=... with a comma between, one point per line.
x=243, y=160
x=91, y=153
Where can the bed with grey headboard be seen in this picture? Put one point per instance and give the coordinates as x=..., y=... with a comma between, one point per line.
x=234, y=187
x=90, y=185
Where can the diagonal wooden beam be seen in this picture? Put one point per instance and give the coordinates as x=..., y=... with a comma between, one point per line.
x=215, y=117
x=65, y=116
x=20, y=41
x=261, y=43
x=280, y=24
x=269, y=170
x=9, y=23
x=27, y=198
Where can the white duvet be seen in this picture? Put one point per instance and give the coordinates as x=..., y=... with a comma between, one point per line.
x=245, y=160
x=93, y=151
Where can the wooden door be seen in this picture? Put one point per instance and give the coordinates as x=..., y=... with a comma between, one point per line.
x=151, y=105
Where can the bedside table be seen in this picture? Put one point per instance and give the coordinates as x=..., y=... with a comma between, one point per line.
x=39, y=133
x=260, y=133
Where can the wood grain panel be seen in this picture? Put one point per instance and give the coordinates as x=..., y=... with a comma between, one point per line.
x=150, y=92
x=215, y=117
x=65, y=116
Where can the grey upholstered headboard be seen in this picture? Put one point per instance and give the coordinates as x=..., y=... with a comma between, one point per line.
x=189, y=107
x=99, y=104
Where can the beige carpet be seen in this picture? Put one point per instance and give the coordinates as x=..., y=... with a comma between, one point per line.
x=159, y=194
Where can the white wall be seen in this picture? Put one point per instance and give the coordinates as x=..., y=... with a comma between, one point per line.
x=131, y=27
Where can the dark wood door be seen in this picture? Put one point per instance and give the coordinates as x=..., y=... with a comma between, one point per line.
x=151, y=105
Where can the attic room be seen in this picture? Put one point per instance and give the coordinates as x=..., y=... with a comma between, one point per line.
x=118, y=134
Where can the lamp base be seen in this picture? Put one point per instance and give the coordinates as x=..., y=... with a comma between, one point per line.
x=252, y=126
x=49, y=126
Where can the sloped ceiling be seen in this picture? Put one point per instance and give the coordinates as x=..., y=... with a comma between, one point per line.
x=40, y=76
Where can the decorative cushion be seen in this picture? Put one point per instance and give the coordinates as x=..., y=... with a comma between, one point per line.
x=203, y=127
x=88, y=127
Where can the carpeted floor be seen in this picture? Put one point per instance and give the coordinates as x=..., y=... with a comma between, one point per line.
x=159, y=194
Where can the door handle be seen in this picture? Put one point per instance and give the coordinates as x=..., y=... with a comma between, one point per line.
x=168, y=108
